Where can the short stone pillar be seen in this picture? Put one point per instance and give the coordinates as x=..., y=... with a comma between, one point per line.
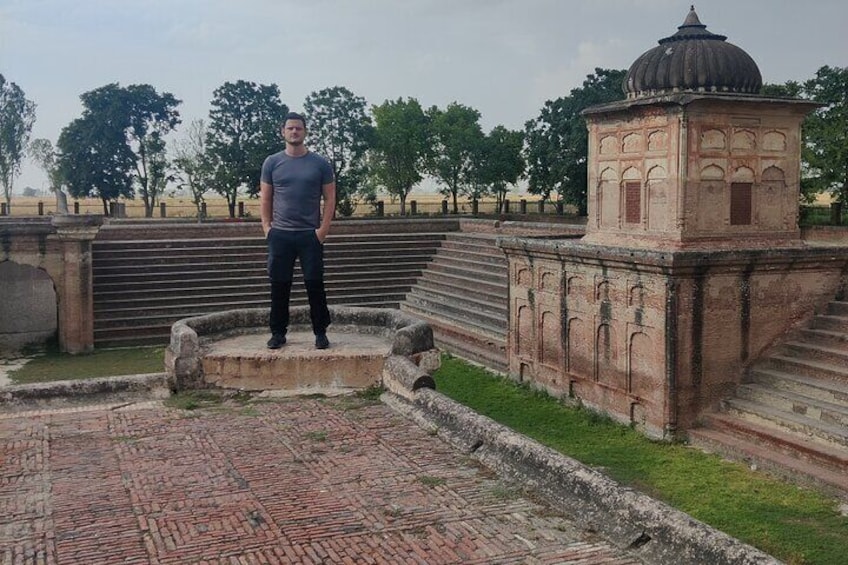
x=836, y=213
x=380, y=208
x=475, y=207
x=40, y=208
x=542, y=206
x=75, y=291
x=76, y=207
x=445, y=207
x=506, y=206
x=413, y=207
x=163, y=210
x=522, y=206
x=241, y=209
x=3, y=209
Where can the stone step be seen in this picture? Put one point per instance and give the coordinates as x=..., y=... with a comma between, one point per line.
x=784, y=455
x=122, y=287
x=119, y=296
x=462, y=341
x=459, y=286
x=830, y=412
x=828, y=338
x=477, y=326
x=495, y=306
x=817, y=352
x=838, y=308
x=151, y=272
x=472, y=260
x=130, y=316
x=484, y=249
x=807, y=367
x=831, y=322
x=822, y=389
x=492, y=275
x=831, y=435
x=157, y=331
x=460, y=314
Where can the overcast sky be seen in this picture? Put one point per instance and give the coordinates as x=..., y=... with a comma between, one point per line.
x=503, y=57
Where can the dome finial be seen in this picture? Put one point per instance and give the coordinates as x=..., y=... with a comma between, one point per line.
x=692, y=19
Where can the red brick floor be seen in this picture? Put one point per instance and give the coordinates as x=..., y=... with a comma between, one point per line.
x=298, y=480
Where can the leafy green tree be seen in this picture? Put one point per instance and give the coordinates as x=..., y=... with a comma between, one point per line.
x=119, y=142
x=151, y=117
x=557, y=141
x=825, y=133
x=498, y=164
x=341, y=130
x=95, y=159
x=244, y=128
x=17, y=116
x=192, y=166
x=456, y=137
x=400, y=147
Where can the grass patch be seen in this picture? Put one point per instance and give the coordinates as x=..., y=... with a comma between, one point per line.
x=194, y=399
x=53, y=365
x=795, y=525
x=372, y=393
x=429, y=481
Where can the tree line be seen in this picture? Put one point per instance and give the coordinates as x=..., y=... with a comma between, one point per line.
x=121, y=146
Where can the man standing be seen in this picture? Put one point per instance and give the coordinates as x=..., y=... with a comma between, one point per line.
x=291, y=186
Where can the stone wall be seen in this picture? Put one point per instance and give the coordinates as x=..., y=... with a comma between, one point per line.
x=653, y=338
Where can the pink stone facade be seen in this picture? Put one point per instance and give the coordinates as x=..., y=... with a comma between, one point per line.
x=655, y=338
x=701, y=171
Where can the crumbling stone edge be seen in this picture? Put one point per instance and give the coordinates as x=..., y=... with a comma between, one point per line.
x=105, y=389
x=627, y=518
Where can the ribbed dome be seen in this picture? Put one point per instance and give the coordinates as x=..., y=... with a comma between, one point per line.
x=693, y=59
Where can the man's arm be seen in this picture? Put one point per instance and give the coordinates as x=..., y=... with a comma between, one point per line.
x=266, y=206
x=329, y=192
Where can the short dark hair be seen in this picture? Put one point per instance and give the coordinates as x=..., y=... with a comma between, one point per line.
x=294, y=116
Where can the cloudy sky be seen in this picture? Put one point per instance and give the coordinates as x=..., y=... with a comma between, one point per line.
x=503, y=57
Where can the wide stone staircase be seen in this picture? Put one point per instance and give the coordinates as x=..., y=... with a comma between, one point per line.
x=791, y=415
x=142, y=286
x=463, y=293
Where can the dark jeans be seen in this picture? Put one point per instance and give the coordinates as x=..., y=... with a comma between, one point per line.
x=284, y=248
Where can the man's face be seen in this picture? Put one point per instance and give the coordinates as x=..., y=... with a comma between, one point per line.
x=294, y=132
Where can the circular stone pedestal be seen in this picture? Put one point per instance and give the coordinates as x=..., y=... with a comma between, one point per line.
x=244, y=362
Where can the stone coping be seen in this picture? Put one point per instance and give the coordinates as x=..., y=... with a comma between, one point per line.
x=190, y=337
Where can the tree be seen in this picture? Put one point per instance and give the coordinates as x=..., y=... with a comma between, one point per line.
x=825, y=133
x=151, y=117
x=42, y=152
x=557, y=141
x=17, y=116
x=244, y=128
x=498, y=163
x=95, y=159
x=400, y=147
x=193, y=170
x=118, y=143
x=456, y=136
x=341, y=130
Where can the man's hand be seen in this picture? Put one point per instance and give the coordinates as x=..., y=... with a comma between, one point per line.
x=322, y=233
x=266, y=229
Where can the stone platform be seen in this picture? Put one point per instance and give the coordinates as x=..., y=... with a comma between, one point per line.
x=354, y=360
x=369, y=346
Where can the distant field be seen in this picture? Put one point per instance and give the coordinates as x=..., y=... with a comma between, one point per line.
x=217, y=207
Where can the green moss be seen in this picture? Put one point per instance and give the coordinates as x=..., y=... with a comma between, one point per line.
x=52, y=365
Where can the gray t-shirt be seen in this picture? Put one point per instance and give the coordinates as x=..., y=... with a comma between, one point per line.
x=298, y=183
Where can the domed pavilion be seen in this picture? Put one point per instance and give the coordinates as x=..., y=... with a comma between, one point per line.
x=695, y=156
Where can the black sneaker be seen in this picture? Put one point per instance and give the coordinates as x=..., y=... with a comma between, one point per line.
x=321, y=341
x=276, y=341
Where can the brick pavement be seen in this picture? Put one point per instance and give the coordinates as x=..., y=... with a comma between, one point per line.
x=297, y=480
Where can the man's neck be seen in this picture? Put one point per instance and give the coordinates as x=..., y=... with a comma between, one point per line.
x=296, y=150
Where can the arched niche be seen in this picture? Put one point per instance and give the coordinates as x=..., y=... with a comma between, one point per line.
x=742, y=174
x=631, y=143
x=659, y=204
x=712, y=172
x=608, y=198
x=713, y=139
x=744, y=140
x=524, y=277
x=526, y=335
x=643, y=379
x=579, y=343
x=712, y=199
x=551, y=340
x=606, y=370
x=608, y=145
x=774, y=141
x=771, y=200
x=657, y=141
x=28, y=306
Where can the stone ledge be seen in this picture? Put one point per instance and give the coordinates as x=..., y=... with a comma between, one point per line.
x=113, y=388
x=626, y=517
